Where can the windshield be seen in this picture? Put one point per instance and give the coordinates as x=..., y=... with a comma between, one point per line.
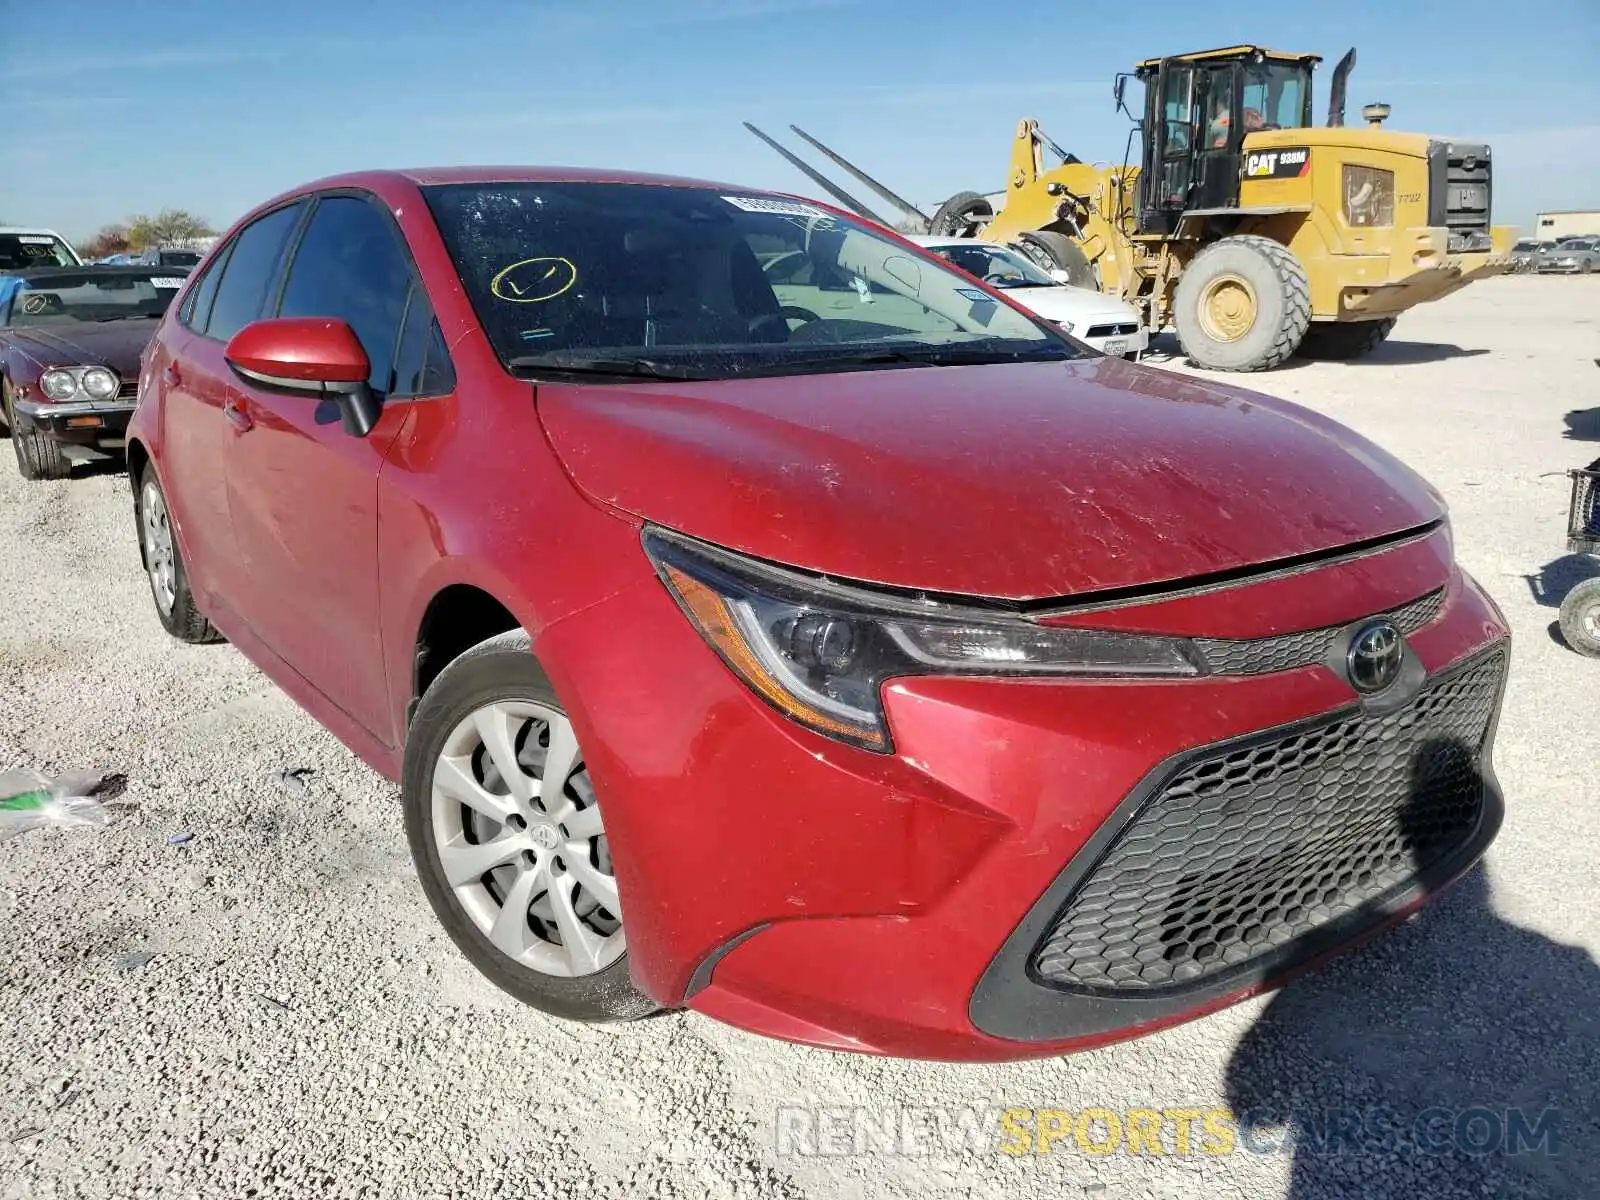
x=995, y=265
x=19, y=251
x=1275, y=96
x=178, y=258
x=95, y=295
x=690, y=283
x=1526, y=245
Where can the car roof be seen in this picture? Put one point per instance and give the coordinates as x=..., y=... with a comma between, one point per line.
x=36, y=229
x=430, y=176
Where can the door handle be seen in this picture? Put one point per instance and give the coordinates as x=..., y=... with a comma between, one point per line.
x=233, y=409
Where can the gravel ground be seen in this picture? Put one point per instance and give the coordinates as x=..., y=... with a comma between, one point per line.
x=268, y=1008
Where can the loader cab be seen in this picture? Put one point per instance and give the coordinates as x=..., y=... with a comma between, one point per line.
x=1198, y=109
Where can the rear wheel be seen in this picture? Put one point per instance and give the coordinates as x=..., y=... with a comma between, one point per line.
x=38, y=454
x=509, y=840
x=961, y=216
x=1580, y=618
x=163, y=564
x=1057, y=252
x=1243, y=304
x=1345, y=340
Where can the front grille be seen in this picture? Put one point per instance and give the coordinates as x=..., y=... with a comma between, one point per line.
x=1260, y=656
x=1124, y=329
x=1247, y=848
x=128, y=391
x=1460, y=190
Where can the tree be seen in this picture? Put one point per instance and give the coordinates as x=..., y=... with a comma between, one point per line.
x=169, y=227
x=112, y=239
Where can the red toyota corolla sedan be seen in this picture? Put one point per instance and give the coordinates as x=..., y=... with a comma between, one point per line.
x=763, y=617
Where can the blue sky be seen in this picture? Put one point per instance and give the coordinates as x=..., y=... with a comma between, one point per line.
x=215, y=105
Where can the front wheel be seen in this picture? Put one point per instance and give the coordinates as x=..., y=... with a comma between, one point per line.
x=1580, y=618
x=509, y=839
x=39, y=455
x=1242, y=304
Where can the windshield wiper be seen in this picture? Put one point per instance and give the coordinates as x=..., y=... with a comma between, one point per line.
x=129, y=317
x=580, y=364
x=946, y=356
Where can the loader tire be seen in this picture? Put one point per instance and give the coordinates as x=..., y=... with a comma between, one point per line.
x=1342, y=341
x=1243, y=304
x=961, y=216
x=1057, y=252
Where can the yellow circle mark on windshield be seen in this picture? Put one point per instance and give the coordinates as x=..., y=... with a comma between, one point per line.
x=533, y=280
x=35, y=304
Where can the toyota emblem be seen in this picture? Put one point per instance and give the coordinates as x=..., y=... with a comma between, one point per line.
x=1377, y=652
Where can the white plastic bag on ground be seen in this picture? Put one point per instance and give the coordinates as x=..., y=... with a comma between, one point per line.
x=29, y=800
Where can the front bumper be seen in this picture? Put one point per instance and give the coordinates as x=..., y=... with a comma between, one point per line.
x=1567, y=268
x=103, y=425
x=1113, y=336
x=897, y=904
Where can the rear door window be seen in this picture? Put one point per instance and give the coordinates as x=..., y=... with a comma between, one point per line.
x=196, y=309
x=251, y=271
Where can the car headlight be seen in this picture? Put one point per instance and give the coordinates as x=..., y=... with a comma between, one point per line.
x=99, y=383
x=58, y=384
x=819, y=652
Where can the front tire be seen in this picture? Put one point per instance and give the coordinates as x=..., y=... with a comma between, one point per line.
x=164, y=566
x=1342, y=341
x=1243, y=304
x=39, y=456
x=508, y=837
x=1580, y=618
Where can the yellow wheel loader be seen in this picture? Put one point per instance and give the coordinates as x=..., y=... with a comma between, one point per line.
x=1244, y=227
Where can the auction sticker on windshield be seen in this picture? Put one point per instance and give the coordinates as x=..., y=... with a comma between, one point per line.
x=165, y=281
x=781, y=208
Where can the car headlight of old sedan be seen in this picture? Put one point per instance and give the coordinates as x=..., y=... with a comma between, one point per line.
x=99, y=383
x=819, y=652
x=58, y=384
x=72, y=383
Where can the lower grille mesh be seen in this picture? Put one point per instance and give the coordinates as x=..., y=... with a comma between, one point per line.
x=1246, y=849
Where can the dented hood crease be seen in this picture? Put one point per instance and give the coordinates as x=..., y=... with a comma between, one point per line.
x=1017, y=482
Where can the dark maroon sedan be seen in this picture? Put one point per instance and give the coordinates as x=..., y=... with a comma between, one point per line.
x=70, y=341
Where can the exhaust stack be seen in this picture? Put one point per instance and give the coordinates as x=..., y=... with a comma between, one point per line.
x=1341, y=77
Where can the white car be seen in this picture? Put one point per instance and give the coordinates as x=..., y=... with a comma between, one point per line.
x=22, y=249
x=1109, y=325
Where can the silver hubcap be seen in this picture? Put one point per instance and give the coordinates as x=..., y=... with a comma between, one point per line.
x=158, y=547
x=518, y=833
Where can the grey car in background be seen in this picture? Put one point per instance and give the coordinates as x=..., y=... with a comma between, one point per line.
x=1525, y=254
x=1575, y=256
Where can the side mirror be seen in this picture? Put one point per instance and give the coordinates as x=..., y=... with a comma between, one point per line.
x=314, y=356
x=1118, y=88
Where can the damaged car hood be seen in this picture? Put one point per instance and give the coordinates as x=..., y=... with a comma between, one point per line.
x=114, y=344
x=1017, y=482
